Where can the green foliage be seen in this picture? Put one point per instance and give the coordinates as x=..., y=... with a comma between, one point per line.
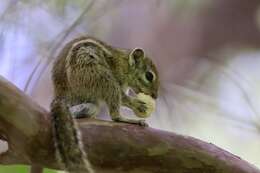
x=20, y=169
x=14, y=169
x=50, y=171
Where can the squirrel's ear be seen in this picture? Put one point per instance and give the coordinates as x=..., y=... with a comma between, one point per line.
x=136, y=56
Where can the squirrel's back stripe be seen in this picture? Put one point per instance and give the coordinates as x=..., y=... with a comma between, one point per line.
x=88, y=40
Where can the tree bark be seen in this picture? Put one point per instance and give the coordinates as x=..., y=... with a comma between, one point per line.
x=36, y=169
x=111, y=146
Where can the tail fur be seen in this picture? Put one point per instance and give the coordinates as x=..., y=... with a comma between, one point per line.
x=67, y=138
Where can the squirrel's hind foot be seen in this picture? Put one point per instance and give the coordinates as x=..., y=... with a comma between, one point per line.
x=84, y=110
x=131, y=121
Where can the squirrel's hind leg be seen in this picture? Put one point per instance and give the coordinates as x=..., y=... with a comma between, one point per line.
x=84, y=110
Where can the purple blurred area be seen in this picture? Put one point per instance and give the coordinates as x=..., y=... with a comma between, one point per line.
x=207, y=53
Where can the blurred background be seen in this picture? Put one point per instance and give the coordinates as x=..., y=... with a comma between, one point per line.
x=207, y=53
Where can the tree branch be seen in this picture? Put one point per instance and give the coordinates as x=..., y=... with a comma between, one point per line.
x=36, y=169
x=111, y=147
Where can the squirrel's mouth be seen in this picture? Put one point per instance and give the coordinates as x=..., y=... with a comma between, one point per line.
x=134, y=93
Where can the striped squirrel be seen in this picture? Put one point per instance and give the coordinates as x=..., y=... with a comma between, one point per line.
x=86, y=72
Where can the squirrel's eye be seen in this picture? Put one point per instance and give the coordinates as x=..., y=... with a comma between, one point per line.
x=149, y=76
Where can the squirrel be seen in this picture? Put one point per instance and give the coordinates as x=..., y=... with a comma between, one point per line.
x=86, y=72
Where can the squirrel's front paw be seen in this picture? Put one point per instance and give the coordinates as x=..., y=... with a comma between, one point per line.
x=144, y=105
x=139, y=108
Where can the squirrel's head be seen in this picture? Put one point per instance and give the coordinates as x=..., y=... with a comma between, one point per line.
x=143, y=74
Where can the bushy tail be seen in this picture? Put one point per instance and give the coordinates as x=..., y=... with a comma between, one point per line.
x=67, y=138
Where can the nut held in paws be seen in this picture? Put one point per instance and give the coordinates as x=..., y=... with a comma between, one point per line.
x=150, y=103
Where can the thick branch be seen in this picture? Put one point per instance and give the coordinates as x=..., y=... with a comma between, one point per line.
x=111, y=147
